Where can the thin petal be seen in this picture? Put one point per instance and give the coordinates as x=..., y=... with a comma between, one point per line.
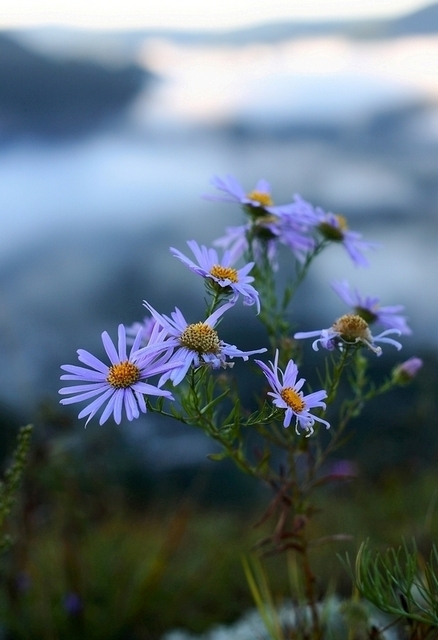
x=83, y=387
x=81, y=373
x=151, y=390
x=109, y=409
x=118, y=404
x=110, y=348
x=87, y=358
x=140, y=400
x=306, y=334
x=92, y=408
x=288, y=417
x=214, y=317
x=131, y=406
x=82, y=396
x=122, y=343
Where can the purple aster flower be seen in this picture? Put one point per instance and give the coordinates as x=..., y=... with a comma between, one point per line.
x=122, y=383
x=368, y=308
x=334, y=227
x=235, y=240
x=221, y=272
x=406, y=371
x=288, y=224
x=300, y=213
x=146, y=327
x=260, y=197
x=349, y=331
x=266, y=232
x=292, y=224
x=280, y=226
x=196, y=344
x=287, y=394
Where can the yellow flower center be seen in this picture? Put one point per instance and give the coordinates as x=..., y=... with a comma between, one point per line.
x=342, y=222
x=293, y=399
x=334, y=233
x=352, y=328
x=200, y=337
x=123, y=375
x=224, y=273
x=263, y=198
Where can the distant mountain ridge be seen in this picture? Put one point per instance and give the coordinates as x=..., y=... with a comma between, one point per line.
x=57, y=98
x=62, y=39
x=422, y=21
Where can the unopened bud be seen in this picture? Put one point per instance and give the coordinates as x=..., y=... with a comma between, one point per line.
x=405, y=372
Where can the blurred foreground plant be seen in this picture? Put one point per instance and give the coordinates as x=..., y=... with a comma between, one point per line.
x=12, y=477
x=280, y=442
x=400, y=582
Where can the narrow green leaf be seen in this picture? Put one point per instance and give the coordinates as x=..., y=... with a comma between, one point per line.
x=214, y=402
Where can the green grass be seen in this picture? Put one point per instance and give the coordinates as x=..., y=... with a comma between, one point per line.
x=177, y=563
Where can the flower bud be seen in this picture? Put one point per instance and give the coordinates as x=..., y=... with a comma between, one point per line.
x=405, y=372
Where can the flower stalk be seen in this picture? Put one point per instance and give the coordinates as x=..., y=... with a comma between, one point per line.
x=191, y=368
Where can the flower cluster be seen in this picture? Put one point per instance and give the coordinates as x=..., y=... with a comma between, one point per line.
x=169, y=359
x=166, y=348
x=295, y=224
x=172, y=348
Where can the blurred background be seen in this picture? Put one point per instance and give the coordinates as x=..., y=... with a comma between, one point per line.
x=112, y=123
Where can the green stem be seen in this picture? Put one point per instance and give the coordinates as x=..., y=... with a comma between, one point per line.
x=216, y=296
x=337, y=375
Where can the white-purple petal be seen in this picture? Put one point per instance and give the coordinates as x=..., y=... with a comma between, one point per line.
x=140, y=401
x=110, y=348
x=131, y=407
x=122, y=343
x=91, y=409
x=87, y=358
x=214, y=317
x=82, y=374
x=82, y=396
x=150, y=360
x=82, y=387
x=109, y=409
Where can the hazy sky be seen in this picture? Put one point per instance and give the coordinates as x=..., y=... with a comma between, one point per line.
x=189, y=13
